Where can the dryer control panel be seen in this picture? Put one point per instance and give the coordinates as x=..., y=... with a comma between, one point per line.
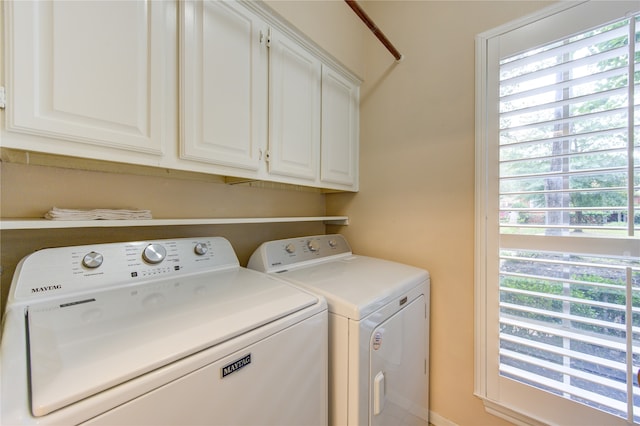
x=279, y=255
x=67, y=270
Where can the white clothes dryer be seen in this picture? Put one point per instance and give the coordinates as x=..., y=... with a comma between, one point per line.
x=169, y=332
x=378, y=327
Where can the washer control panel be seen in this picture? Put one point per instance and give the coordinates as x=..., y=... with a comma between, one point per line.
x=276, y=256
x=65, y=270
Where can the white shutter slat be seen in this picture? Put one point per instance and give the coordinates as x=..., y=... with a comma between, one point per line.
x=593, y=378
x=550, y=74
x=568, y=334
x=572, y=101
x=562, y=49
x=565, y=352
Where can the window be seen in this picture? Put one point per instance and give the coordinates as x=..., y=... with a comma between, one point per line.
x=558, y=216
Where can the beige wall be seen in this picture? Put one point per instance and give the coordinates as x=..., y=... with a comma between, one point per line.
x=417, y=172
x=332, y=25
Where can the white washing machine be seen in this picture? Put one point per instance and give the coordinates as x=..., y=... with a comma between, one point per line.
x=157, y=333
x=378, y=327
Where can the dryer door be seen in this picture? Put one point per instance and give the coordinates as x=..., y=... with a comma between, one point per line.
x=398, y=375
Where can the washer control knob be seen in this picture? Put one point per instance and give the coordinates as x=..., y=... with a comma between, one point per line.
x=201, y=249
x=154, y=253
x=313, y=246
x=333, y=243
x=290, y=248
x=92, y=260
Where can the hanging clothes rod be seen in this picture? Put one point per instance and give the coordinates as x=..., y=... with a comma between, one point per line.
x=374, y=29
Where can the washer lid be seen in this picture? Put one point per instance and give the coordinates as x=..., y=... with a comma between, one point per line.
x=88, y=344
x=356, y=286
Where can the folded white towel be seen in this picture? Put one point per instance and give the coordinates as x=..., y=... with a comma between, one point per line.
x=97, y=214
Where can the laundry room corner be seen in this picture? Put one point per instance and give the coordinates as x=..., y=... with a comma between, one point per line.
x=414, y=202
x=416, y=199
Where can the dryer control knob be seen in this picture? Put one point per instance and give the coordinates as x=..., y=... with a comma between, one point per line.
x=333, y=243
x=290, y=248
x=92, y=260
x=201, y=249
x=313, y=246
x=154, y=253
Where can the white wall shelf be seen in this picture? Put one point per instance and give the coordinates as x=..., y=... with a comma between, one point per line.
x=15, y=224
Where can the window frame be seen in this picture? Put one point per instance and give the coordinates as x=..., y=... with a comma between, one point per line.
x=508, y=399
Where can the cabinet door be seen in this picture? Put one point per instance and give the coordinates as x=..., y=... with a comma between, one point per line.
x=88, y=71
x=339, y=146
x=223, y=84
x=294, y=109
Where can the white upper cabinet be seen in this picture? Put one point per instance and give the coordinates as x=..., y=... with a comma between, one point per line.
x=220, y=87
x=258, y=102
x=340, y=129
x=223, y=84
x=294, y=109
x=89, y=78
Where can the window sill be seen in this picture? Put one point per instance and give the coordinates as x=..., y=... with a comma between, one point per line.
x=509, y=415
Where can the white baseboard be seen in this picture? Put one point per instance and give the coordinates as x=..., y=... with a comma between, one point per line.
x=437, y=420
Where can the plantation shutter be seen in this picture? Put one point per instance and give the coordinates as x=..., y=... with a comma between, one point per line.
x=558, y=216
x=569, y=115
